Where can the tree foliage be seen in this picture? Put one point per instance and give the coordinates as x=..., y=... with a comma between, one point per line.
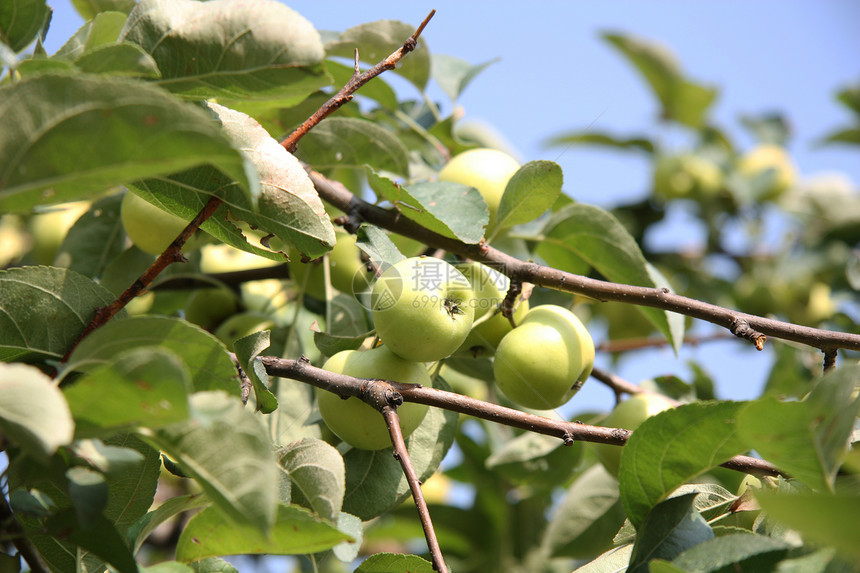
x=153, y=443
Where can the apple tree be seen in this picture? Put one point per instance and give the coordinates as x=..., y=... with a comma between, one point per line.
x=226, y=326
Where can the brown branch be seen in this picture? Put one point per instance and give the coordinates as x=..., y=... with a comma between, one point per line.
x=748, y=326
x=628, y=344
x=392, y=420
x=616, y=383
x=19, y=538
x=570, y=432
x=357, y=80
x=171, y=254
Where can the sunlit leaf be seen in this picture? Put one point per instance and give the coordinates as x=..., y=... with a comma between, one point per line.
x=727, y=550
x=352, y=142
x=95, y=239
x=316, y=474
x=669, y=528
x=395, y=563
x=455, y=74
x=532, y=190
x=602, y=139
x=89, y=9
x=21, y=21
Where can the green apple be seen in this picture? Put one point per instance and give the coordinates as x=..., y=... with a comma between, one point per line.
x=545, y=360
x=151, y=229
x=241, y=325
x=356, y=422
x=49, y=228
x=686, y=176
x=629, y=414
x=422, y=308
x=14, y=242
x=208, y=307
x=771, y=159
x=490, y=287
x=221, y=258
x=487, y=170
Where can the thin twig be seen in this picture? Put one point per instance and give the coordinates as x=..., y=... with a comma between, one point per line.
x=392, y=420
x=171, y=254
x=570, y=432
x=19, y=538
x=748, y=326
x=617, y=384
x=355, y=82
x=628, y=344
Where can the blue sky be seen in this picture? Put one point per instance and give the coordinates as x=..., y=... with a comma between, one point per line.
x=555, y=74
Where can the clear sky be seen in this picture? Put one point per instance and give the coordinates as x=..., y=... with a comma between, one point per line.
x=555, y=74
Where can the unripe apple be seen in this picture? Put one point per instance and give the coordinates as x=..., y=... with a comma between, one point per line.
x=51, y=227
x=241, y=325
x=422, y=308
x=773, y=159
x=209, y=307
x=686, y=176
x=151, y=229
x=629, y=414
x=356, y=422
x=490, y=288
x=545, y=360
x=221, y=258
x=487, y=170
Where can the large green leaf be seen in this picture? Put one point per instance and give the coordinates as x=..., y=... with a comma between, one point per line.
x=21, y=21
x=252, y=51
x=95, y=239
x=205, y=357
x=724, y=551
x=227, y=450
x=316, y=473
x=101, y=538
x=588, y=233
x=295, y=531
x=395, y=563
x=673, y=447
x=101, y=29
x=450, y=209
x=288, y=206
x=33, y=412
x=43, y=310
x=145, y=386
x=70, y=137
x=681, y=99
x=374, y=479
x=377, y=40
x=671, y=527
x=532, y=190
x=352, y=142
x=139, y=531
x=806, y=439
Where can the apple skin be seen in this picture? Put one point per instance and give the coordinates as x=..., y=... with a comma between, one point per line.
x=149, y=228
x=764, y=158
x=48, y=229
x=490, y=288
x=210, y=306
x=545, y=360
x=629, y=414
x=487, y=170
x=358, y=423
x=422, y=308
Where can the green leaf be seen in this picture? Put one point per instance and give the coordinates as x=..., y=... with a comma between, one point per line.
x=89, y=9
x=88, y=491
x=850, y=98
x=450, y=209
x=614, y=560
x=288, y=205
x=144, y=386
x=378, y=40
x=353, y=142
x=806, y=439
x=850, y=135
x=123, y=59
x=254, y=51
x=378, y=246
x=535, y=462
x=770, y=128
x=21, y=21
x=532, y=190
x=670, y=528
x=204, y=355
x=143, y=527
x=213, y=565
x=316, y=473
x=374, y=479
x=587, y=518
x=604, y=139
x=454, y=74
x=726, y=550
x=33, y=298
x=169, y=567
x=682, y=100
x=296, y=417
x=247, y=349
x=295, y=531
x=673, y=447
x=347, y=551
x=102, y=30
x=101, y=538
x=227, y=450
x=588, y=233
x=33, y=411
x=395, y=563
x=330, y=344
x=52, y=122
x=95, y=239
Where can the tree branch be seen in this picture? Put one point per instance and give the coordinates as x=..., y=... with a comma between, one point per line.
x=570, y=432
x=356, y=81
x=748, y=326
x=19, y=538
